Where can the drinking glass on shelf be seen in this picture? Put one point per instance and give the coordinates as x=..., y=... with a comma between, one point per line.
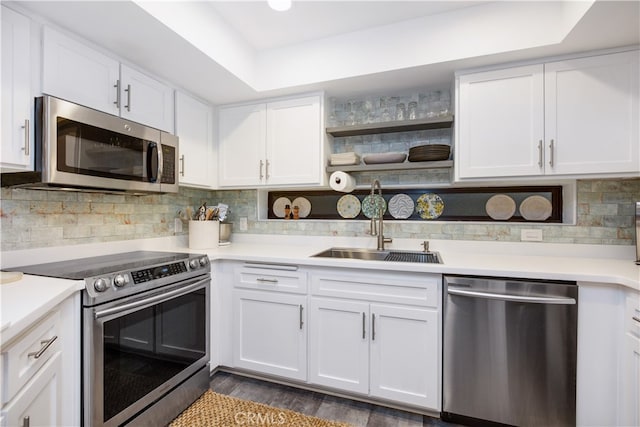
x=412, y=112
x=400, y=111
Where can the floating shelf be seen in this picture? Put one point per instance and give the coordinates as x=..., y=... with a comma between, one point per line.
x=390, y=127
x=442, y=164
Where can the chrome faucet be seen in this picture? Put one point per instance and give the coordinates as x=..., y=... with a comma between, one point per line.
x=379, y=230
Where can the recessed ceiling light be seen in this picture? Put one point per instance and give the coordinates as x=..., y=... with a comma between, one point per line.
x=279, y=5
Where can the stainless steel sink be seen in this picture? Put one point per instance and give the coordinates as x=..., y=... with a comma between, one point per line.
x=386, y=255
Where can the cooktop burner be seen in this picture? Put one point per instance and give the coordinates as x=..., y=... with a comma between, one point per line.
x=81, y=268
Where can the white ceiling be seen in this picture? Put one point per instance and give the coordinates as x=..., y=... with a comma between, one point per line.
x=230, y=51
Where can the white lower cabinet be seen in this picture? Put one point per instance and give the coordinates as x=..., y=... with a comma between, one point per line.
x=39, y=402
x=269, y=320
x=363, y=345
x=39, y=371
x=630, y=363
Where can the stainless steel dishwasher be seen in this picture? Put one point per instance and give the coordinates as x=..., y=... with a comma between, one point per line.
x=509, y=351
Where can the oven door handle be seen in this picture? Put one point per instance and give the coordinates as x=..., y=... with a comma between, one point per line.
x=156, y=299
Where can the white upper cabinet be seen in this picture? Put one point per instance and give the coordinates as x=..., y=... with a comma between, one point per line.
x=16, y=91
x=77, y=73
x=80, y=74
x=573, y=117
x=276, y=143
x=194, y=128
x=500, y=122
x=591, y=114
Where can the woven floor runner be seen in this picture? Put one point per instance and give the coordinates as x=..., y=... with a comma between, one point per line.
x=219, y=410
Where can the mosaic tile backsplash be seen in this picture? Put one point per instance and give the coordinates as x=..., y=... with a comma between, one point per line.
x=40, y=218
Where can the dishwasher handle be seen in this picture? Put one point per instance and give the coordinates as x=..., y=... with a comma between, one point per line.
x=511, y=298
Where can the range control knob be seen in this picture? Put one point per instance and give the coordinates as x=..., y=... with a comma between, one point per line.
x=119, y=280
x=193, y=263
x=100, y=285
x=203, y=261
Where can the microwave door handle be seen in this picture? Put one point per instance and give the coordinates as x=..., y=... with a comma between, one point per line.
x=160, y=164
x=152, y=170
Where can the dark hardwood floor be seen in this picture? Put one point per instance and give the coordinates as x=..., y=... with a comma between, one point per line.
x=317, y=404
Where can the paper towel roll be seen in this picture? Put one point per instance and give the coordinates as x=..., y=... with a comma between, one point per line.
x=342, y=181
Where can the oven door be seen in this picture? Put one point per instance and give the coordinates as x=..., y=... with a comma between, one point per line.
x=137, y=349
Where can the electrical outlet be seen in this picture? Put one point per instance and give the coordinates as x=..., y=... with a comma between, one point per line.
x=244, y=224
x=531, y=235
x=177, y=225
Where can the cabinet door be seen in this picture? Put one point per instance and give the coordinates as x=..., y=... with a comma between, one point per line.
x=145, y=100
x=339, y=344
x=242, y=145
x=500, y=123
x=77, y=73
x=405, y=355
x=294, y=145
x=591, y=114
x=16, y=91
x=39, y=399
x=270, y=333
x=630, y=414
x=194, y=127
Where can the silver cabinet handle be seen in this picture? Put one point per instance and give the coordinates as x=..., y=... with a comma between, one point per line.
x=363, y=325
x=26, y=422
x=267, y=169
x=301, y=321
x=117, y=101
x=45, y=345
x=128, y=90
x=264, y=280
x=182, y=164
x=551, y=159
x=26, y=137
x=540, y=149
x=373, y=326
x=637, y=319
x=261, y=166
x=513, y=298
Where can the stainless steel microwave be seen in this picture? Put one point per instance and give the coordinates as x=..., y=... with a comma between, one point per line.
x=78, y=147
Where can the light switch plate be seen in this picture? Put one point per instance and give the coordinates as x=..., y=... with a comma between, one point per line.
x=177, y=225
x=244, y=225
x=531, y=235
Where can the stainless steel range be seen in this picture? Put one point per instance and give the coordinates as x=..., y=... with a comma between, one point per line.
x=145, y=333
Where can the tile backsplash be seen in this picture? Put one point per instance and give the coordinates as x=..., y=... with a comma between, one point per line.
x=41, y=218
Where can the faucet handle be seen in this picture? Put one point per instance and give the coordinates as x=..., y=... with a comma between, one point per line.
x=425, y=245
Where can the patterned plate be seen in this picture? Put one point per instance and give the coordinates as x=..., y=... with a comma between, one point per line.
x=348, y=206
x=372, y=205
x=401, y=206
x=278, y=206
x=430, y=206
x=303, y=204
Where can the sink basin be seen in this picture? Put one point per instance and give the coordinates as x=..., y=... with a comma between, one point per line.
x=386, y=255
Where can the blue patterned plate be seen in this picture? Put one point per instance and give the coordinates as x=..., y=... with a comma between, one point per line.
x=372, y=205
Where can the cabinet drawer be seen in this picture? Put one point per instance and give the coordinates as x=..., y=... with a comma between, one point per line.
x=24, y=357
x=271, y=277
x=632, y=314
x=401, y=288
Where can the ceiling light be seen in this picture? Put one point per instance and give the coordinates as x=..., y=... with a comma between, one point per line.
x=279, y=5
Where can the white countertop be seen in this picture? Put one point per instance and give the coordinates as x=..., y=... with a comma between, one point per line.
x=24, y=301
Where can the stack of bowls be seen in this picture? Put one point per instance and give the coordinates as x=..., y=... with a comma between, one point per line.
x=429, y=153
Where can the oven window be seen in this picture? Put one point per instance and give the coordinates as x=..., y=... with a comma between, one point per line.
x=88, y=150
x=144, y=349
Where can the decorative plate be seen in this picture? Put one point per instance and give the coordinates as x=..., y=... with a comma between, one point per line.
x=278, y=206
x=401, y=206
x=536, y=208
x=303, y=204
x=430, y=206
x=372, y=205
x=500, y=207
x=348, y=206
